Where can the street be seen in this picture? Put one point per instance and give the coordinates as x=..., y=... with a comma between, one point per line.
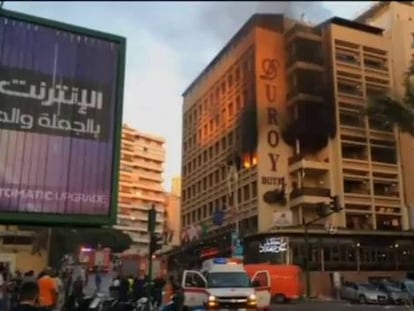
x=337, y=306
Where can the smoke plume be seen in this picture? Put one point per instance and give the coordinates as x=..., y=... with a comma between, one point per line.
x=223, y=19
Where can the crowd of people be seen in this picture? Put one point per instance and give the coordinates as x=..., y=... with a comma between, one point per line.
x=50, y=290
x=130, y=288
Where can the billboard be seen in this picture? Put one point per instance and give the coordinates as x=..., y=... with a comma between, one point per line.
x=61, y=92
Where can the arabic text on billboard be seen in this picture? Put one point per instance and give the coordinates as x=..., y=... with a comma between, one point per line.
x=58, y=98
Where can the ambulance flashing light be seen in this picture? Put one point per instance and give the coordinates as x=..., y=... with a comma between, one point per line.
x=224, y=261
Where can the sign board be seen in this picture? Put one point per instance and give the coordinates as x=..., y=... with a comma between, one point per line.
x=61, y=92
x=237, y=247
x=273, y=245
x=282, y=219
x=337, y=279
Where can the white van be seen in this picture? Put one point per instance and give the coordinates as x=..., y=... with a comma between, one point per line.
x=223, y=283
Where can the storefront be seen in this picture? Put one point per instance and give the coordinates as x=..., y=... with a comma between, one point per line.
x=339, y=252
x=355, y=257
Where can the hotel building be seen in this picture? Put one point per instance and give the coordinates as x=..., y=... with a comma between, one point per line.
x=282, y=103
x=140, y=185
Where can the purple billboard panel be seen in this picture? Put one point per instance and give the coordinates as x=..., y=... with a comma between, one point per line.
x=60, y=118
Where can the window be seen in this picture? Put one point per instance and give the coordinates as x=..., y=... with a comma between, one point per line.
x=237, y=74
x=230, y=80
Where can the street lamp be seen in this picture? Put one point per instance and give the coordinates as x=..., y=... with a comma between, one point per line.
x=233, y=178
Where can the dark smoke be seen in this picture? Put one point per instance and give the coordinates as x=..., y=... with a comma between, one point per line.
x=224, y=18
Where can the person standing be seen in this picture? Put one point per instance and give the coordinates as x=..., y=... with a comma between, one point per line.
x=29, y=294
x=138, y=287
x=157, y=289
x=60, y=301
x=98, y=280
x=3, y=304
x=48, y=292
x=123, y=288
x=14, y=288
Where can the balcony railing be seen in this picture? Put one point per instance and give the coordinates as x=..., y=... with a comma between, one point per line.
x=313, y=93
x=349, y=90
x=375, y=65
x=310, y=191
x=303, y=29
x=295, y=158
x=351, y=121
x=305, y=59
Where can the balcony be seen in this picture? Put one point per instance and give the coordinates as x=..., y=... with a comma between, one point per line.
x=156, y=187
x=349, y=89
x=304, y=32
x=154, y=156
x=309, y=195
x=148, y=165
x=311, y=167
x=351, y=119
x=376, y=66
x=150, y=176
x=305, y=54
x=377, y=125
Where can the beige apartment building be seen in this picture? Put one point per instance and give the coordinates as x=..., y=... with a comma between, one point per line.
x=397, y=20
x=282, y=103
x=173, y=213
x=176, y=186
x=140, y=185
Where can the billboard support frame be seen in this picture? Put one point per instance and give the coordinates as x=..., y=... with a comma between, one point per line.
x=79, y=220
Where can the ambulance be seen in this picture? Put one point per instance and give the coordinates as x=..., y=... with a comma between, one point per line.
x=223, y=284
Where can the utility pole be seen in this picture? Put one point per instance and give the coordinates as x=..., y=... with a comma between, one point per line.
x=334, y=207
x=232, y=178
x=152, y=215
x=236, y=197
x=306, y=258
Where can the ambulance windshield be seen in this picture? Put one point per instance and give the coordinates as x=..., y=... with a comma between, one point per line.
x=228, y=279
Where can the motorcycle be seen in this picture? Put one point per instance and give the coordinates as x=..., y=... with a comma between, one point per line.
x=141, y=304
x=102, y=303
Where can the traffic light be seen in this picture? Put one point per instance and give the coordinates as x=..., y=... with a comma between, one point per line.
x=335, y=204
x=152, y=215
x=322, y=210
x=156, y=243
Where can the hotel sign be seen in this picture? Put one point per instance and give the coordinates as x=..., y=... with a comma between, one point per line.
x=268, y=78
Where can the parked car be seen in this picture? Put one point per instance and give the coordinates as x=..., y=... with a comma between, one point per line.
x=395, y=294
x=363, y=293
x=406, y=286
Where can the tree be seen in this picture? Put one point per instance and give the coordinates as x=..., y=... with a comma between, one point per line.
x=69, y=240
x=393, y=111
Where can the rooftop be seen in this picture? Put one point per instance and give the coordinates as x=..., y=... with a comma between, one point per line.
x=269, y=21
x=376, y=8
x=352, y=24
x=144, y=135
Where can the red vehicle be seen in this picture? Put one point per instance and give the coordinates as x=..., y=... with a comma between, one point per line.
x=285, y=280
x=96, y=259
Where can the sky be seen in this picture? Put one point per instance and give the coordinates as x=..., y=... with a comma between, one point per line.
x=168, y=45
